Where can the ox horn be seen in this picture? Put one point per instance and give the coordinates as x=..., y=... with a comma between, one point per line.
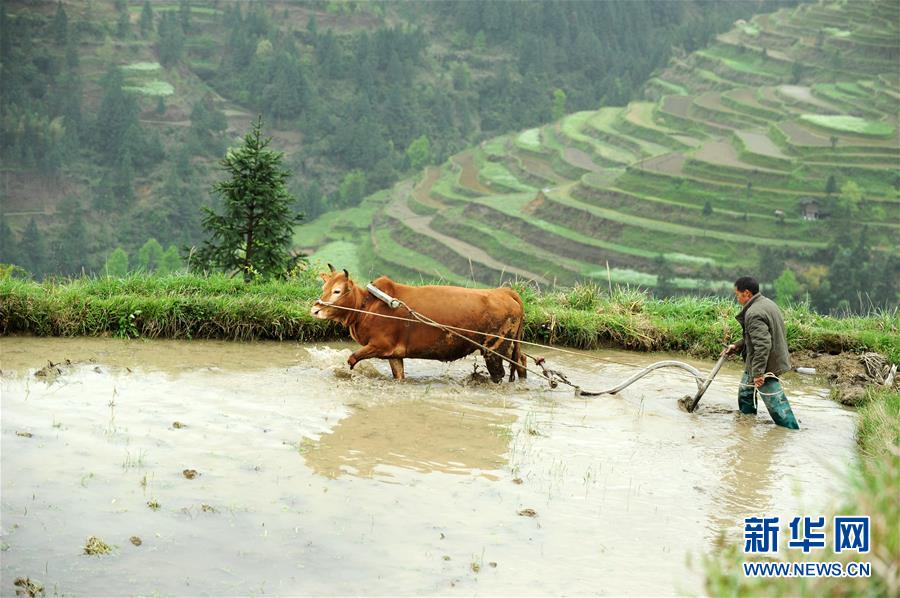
x=330, y=267
x=347, y=274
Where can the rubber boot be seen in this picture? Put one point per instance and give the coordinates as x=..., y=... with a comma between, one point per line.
x=746, y=399
x=776, y=402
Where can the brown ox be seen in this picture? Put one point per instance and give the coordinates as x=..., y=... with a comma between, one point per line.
x=492, y=311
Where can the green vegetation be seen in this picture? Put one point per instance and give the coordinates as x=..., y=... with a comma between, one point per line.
x=720, y=176
x=96, y=97
x=253, y=234
x=155, y=88
x=850, y=124
x=216, y=306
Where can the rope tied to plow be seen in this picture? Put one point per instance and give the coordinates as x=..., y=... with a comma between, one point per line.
x=553, y=377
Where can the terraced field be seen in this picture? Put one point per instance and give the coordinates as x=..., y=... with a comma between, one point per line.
x=692, y=185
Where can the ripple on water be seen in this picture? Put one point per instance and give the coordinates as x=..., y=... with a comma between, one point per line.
x=318, y=480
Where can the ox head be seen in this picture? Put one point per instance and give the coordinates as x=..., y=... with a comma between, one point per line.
x=337, y=290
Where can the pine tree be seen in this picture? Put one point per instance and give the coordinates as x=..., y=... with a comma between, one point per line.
x=150, y=256
x=171, y=39
x=419, y=153
x=253, y=235
x=117, y=114
x=9, y=249
x=146, y=22
x=70, y=247
x=123, y=25
x=559, y=105
x=34, y=250
x=60, y=26
x=170, y=261
x=184, y=15
x=117, y=263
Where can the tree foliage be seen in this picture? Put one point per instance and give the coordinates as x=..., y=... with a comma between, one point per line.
x=253, y=233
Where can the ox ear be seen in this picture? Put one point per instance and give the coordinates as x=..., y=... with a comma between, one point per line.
x=330, y=267
x=324, y=276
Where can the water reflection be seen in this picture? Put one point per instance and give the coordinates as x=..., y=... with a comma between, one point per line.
x=748, y=474
x=419, y=435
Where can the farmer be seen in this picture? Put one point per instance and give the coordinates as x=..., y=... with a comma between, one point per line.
x=765, y=351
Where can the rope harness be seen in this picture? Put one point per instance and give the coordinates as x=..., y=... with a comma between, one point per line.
x=553, y=377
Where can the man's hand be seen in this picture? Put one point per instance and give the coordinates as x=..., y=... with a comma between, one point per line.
x=731, y=349
x=759, y=381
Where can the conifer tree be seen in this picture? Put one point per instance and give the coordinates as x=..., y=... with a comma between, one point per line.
x=60, y=26
x=146, y=22
x=117, y=263
x=253, y=234
x=34, y=250
x=150, y=255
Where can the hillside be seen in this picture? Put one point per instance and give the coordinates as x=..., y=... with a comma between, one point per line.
x=114, y=113
x=775, y=148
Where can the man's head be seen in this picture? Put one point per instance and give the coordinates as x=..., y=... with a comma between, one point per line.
x=337, y=289
x=744, y=289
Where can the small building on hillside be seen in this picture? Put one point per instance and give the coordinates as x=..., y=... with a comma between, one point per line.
x=811, y=209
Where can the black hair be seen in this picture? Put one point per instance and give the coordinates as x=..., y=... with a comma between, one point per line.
x=747, y=283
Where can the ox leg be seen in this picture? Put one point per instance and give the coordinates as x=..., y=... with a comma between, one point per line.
x=397, y=368
x=495, y=366
x=367, y=352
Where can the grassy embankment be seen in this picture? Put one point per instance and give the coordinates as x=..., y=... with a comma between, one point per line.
x=587, y=316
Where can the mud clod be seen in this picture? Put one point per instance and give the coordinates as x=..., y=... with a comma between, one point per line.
x=24, y=434
x=136, y=540
x=178, y=425
x=190, y=473
x=28, y=587
x=50, y=372
x=96, y=546
x=517, y=481
x=207, y=509
x=154, y=506
x=446, y=557
x=528, y=513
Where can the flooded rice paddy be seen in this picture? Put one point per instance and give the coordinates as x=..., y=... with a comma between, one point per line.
x=265, y=468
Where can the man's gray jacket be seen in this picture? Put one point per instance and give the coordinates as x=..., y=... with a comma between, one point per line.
x=764, y=345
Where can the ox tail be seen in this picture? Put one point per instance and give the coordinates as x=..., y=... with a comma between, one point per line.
x=518, y=355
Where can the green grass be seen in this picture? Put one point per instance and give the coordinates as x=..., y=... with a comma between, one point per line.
x=216, y=306
x=849, y=124
x=155, y=88
x=141, y=67
x=676, y=230
x=748, y=62
x=342, y=254
x=530, y=140
x=498, y=177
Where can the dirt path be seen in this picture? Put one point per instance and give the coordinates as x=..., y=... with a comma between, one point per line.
x=398, y=209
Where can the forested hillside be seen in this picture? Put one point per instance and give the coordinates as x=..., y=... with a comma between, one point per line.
x=774, y=150
x=113, y=114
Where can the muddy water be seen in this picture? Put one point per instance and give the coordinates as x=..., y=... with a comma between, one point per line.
x=315, y=482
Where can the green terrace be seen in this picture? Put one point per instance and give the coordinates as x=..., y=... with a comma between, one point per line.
x=737, y=138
